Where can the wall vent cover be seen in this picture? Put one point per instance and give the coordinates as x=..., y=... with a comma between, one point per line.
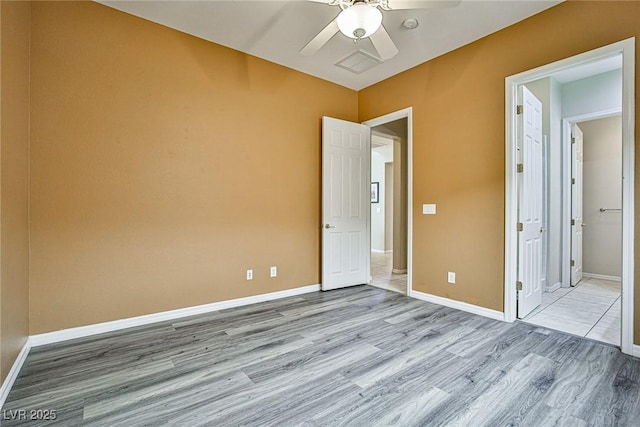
x=359, y=62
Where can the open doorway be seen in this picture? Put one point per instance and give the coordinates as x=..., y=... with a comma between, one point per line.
x=346, y=208
x=578, y=293
x=589, y=305
x=388, y=206
x=390, y=190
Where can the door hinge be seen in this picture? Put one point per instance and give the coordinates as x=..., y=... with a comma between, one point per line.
x=573, y=263
x=518, y=286
x=573, y=222
x=519, y=109
x=519, y=226
x=573, y=181
x=573, y=140
x=520, y=167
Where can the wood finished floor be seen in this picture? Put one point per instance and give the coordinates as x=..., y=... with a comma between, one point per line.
x=353, y=357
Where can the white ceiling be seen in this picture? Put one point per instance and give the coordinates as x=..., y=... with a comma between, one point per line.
x=277, y=30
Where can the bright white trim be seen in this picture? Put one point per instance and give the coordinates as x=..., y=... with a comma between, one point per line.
x=628, y=192
x=15, y=370
x=511, y=198
x=602, y=277
x=115, y=325
x=627, y=48
x=553, y=288
x=565, y=179
x=612, y=112
x=636, y=351
x=399, y=271
x=380, y=251
x=397, y=115
x=458, y=305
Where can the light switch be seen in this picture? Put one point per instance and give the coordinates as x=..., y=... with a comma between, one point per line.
x=429, y=209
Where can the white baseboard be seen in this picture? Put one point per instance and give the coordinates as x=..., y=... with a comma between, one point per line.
x=115, y=325
x=553, y=288
x=13, y=372
x=380, y=251
x=459, y=305
x=636, y=350
x=602, y=277
x=399, y=271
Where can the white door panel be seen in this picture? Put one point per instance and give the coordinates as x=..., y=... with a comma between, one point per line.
x=530, y=203
x=576, y=204
x=345, y=203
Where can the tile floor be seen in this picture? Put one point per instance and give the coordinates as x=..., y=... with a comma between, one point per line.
x=382, y=275
x=591, y=309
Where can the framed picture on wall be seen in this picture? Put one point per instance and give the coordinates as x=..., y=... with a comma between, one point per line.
x=375, y=187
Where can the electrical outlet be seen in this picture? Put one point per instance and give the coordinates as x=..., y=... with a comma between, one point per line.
x=274, y=271
x=249, y=274
x=451, y=277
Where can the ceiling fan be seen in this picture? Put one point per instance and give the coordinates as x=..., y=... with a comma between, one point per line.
x=359, y=19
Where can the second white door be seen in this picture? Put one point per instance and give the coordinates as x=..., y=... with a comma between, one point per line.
x=577, y=223
x=530, y=203
x=346, y=164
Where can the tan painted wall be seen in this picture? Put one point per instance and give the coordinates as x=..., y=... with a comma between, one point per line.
x=14, y=181
x=163, y=167
x=458, y=106
x=602, y=166
x=149, y=191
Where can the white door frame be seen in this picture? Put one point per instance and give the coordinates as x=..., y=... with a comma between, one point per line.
x=397, y=115
x=627, y=49
x=566, y=183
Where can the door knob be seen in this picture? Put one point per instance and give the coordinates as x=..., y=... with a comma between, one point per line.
x=327, y=226
x=542, y=229
x=583, y=224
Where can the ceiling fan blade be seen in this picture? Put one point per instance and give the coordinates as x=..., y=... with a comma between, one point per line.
x=384, y=45
x=318, y=41
x=417, y=4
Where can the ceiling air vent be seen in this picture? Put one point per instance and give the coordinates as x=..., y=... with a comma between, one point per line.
x=359, y=62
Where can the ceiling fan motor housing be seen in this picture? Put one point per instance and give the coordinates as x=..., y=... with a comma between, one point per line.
x=360, y=20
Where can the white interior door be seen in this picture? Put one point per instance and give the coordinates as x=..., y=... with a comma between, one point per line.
x=346, y=203
x=576, y=204
x=530, y=203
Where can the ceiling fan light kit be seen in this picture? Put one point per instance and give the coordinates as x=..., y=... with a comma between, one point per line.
x=363, y=18
x=359, y=21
